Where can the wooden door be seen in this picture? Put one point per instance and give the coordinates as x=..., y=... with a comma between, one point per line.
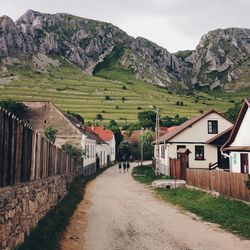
x=244, y=163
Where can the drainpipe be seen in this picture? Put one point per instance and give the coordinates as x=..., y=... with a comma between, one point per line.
x=224, y=154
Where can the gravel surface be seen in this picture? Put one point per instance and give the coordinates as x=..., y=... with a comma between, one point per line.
x=123, y=214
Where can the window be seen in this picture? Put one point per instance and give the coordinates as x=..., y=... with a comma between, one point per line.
x=199, y=153
x=213, y=127
x=163, y=151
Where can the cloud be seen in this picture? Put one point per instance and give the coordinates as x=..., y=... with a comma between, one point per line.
x=173, y=24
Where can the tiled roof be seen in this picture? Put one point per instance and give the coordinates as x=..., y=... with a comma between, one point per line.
x=105, y=134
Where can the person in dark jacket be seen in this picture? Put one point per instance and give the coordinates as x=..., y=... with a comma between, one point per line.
x=128, y=166
x=120, y=167
x=124, y=166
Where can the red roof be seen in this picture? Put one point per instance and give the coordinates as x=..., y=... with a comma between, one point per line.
x=105, y=134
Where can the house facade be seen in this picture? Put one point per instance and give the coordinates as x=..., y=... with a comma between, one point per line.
x=194, y=135
x=237, y=148
x=69, y=130
x=106, y=152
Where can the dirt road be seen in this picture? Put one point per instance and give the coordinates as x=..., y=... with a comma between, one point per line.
x=124, y=215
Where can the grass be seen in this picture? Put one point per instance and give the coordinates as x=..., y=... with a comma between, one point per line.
x=50, y=229
x=230, y=214
x=146, y=175
x=72, y=89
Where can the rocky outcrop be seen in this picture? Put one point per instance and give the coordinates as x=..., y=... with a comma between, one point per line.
x=86, y=43
x=221, y=59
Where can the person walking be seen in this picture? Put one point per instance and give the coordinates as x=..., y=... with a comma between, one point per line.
x=128, y=166
x=120, y=167
x=124, y=166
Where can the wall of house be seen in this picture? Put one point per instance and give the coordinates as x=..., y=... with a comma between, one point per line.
x=243, y=135
x=112, y=145
x=235, y=163
x=23, y=205
x=103, y=150
x=198, y=132
x=44, y=114
x=210, y=153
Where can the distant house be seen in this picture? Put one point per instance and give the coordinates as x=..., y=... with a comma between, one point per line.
x=237, y=146
x=195, y=135
x=44, y=114
x=107, y=154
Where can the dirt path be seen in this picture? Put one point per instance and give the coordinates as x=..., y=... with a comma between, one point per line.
x=122, y=214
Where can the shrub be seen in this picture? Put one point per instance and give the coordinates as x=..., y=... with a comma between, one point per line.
x=14, y=107
x=139, y=108
x=50, y=134
x=107, y=98
x=117, y=107
x=123, y=99
x=72, y=151
x=124, y=87
x=99, y=117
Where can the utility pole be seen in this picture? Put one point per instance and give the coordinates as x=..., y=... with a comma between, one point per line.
x=142, y=147
x=157, y=131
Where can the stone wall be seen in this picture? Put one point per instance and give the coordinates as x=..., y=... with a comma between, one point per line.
x=23, y=205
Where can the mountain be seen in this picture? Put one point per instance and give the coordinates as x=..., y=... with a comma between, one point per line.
x=86, y=43
x=222, y=59
x=39, y=41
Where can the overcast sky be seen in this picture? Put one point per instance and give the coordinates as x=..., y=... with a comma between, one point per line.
x=173, y=24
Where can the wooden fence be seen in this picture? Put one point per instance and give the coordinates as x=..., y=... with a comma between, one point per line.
x=175, y=168
x=25, y=155
x=227, y=183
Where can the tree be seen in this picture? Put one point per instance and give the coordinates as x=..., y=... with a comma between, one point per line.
x=147, y=119
x=146, y=139
x=77, y=116
x=50, y=134
x=72, y=151
x=125, y=150
x=232, y=112
x=99, y=117
x=14, y=107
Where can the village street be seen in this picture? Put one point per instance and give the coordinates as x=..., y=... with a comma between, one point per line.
x=123, y=214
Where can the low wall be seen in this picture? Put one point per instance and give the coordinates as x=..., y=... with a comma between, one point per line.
x=23, y=205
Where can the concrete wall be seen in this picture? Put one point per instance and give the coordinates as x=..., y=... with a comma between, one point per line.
x=23, y=205
x=235, y=163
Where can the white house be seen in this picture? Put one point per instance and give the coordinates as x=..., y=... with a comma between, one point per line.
x=238, y=145
x=107, y=136
x=197, y=136
x=69, y=130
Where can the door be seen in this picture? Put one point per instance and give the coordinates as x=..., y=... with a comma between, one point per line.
x=184, y=160
x=244, y=167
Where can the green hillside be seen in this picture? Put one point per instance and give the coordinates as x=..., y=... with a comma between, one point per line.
x=71, y=89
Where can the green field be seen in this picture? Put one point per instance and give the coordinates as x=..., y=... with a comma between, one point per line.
x=71, y=89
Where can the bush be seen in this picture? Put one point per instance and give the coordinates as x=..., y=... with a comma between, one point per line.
x=123, y=99
x=124, y=87
x=139, y=108
x=14, y=107
x=107, y=98
x=72, y=151
x=50, y=134
x=99, y=117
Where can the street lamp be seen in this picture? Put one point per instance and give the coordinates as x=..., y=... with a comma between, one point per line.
x=157, y=132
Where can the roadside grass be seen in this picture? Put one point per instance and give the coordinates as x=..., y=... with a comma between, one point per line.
x=50, y=229
x=146, y=175
x=230, y=214
x=72, y=89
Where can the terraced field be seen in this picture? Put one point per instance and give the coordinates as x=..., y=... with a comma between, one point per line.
x=71, y=89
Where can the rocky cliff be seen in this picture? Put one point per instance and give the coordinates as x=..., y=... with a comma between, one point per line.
x=86, y=43
x=221, y=59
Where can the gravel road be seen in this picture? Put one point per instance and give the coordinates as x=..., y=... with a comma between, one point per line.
x=125, y=215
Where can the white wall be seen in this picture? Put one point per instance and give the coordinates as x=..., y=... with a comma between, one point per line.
x=243, y=135
x=235, y=164
x=112, y=148
x=89, y=146
x=198, y=132
x=103, y=150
